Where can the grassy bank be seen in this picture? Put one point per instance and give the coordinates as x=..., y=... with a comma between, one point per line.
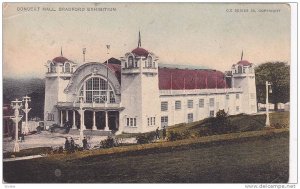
x=252, y=158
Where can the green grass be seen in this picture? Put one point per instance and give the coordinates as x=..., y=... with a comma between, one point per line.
x=246, y=160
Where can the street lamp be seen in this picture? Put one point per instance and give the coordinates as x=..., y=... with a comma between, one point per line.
x=26, y=99
x=81, y=118
x=16, y=105
x=267, y=104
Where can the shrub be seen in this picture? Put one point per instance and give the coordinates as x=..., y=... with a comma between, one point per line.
x=145, y=138
x=108, y=143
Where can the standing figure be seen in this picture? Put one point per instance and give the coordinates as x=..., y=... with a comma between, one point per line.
x=84, y=142
x=164, y=132
x=67, y=145
x=72, y=145
x=157, y=133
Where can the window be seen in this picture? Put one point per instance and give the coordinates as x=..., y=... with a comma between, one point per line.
x=67, y=68
x=211, y=113
x=149, y=61
x=151, y=121
x=227, y=97
x=164, y=121
x=52, y=68
x=95, y=90
x=164, y=106
x=252, y=95
x=127, y=121
x=134, y=121
x=237, y=109
x=211, y=102
x=190, y=103
x=177, y=105
x=131, y=121
x=201, y=103
x=130, y=62
x=190, y=117
x=126, y=65
x=50, y=117
x=237, y=96
x=240, y=69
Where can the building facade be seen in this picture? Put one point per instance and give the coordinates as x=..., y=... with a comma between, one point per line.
x=137, y=94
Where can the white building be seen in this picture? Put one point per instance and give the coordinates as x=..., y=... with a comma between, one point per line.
x=142, y=94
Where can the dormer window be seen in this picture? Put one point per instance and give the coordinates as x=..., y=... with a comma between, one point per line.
x=149, y=61
x=130, y=61
x=52, y=68
x=67, y=68
x=240, y=69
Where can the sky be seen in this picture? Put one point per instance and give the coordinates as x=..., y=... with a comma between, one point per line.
x=199, y=34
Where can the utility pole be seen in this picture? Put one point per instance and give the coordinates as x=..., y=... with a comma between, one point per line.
x=16, y=105
x=267, y=104
x=26, y=99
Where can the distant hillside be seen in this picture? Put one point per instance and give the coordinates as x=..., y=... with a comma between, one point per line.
x=33, y=87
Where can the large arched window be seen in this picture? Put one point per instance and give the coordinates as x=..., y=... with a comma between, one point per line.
x=67, y=68
x=130, y=61
x=95, y=90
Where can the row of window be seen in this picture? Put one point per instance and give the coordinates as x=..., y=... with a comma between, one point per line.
x=133, y=64
x=131, y=122
x=190, y=103
x=65, y=69
x=151, y=121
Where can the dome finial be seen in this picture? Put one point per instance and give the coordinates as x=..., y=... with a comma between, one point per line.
x=139, y=42
x=242, y=55
x=61, y=54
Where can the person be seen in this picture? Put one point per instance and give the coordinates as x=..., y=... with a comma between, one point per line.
x=72, y=145
x=84, y=142
x=23, y=137
x=164, y=132
x=67, y=145
x=157, y=133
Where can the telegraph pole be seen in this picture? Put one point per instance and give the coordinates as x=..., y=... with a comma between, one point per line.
x=16, y=105
x=26, y=99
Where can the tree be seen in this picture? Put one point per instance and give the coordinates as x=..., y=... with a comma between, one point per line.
x=278, y=73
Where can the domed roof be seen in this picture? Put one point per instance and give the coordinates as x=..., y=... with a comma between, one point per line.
x=60, y=59
x=244, y=63
x=139, y=51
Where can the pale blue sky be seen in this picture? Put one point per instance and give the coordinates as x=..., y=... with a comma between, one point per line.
x=179, y=33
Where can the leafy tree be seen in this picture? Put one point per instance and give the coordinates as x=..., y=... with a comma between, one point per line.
x=278, y=73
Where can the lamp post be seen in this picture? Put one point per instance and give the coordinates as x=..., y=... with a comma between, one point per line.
x=81, y=120
x=26, y=99
x=267, y=104
x=16, y=105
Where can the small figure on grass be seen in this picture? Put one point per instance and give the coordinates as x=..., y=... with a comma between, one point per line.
x=72, y=145
x=164, y=132
x=157, y=133
x=84, y=143
x=67, y=145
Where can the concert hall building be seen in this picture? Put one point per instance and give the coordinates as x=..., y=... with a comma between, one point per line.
x=138, y=94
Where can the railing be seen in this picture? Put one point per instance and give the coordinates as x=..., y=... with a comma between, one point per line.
x=199, y=91
x=88, y=105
